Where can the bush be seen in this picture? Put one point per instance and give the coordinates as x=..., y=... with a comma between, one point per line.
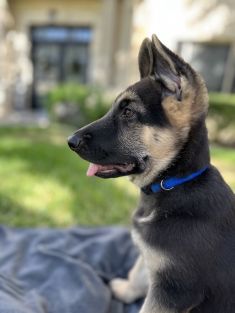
x=76, y=104
x=79, y=104
x=221, y=119
x=223, y=105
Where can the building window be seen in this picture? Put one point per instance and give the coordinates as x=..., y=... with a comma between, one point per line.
x=59, y=54
x=210, y=60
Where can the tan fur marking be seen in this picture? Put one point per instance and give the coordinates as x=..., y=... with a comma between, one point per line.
x=128, y=94
x=179, y=112
x=148, y=218
x=133, y=288
x=182, y=114
x=154, y=259
x=160, y=146
x=202, y=98
x=159, y=141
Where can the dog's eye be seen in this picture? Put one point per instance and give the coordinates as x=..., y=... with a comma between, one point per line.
x=127, y=112
x=123, y=104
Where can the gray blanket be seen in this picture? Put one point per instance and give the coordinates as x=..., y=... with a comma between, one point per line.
x=63, y=271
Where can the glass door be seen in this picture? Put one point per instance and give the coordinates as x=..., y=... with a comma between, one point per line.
x=59, y=54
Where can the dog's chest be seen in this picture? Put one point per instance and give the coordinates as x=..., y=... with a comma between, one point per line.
x=155, y=259
x=146, y=212
x=145, y=215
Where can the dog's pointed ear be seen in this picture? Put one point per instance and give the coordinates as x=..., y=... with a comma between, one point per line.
x=145, y=58
x=165, y=68
x=157, y=60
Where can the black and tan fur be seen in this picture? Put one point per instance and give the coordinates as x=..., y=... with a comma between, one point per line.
x=186, y=236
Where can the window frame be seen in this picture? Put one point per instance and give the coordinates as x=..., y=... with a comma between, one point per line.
x=229, y=67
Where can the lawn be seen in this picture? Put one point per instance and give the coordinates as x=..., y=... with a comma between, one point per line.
x=44, y=184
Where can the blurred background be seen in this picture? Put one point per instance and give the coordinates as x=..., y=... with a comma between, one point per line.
x=62, y=63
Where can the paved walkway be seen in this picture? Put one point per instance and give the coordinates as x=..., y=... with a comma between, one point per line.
x=26, y=118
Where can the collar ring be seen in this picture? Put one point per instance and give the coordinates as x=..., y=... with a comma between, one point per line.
x=164, y=188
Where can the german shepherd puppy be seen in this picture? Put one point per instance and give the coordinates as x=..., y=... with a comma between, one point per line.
x=184, y=225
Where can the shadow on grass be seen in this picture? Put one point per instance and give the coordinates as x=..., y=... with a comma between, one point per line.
x=13, y=214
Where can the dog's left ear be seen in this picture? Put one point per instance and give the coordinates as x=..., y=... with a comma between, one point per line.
x=157, y=60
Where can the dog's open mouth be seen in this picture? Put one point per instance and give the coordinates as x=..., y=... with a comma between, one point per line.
x=111, y=170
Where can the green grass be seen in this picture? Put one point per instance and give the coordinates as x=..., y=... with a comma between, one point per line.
x=44, y=184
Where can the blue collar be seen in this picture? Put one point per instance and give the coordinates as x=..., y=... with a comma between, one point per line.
x=170, y=183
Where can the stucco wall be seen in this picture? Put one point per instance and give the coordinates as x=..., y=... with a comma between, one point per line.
x=111, y=21
x=70, y=12
x=185, y=20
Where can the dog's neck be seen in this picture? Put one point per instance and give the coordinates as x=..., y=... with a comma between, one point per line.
x=193, y=156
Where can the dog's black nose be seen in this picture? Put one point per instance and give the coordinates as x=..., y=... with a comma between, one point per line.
x=74, y=141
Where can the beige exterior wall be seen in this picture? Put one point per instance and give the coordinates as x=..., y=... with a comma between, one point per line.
x=186, y=20
x=58, y=12
x=111, y=21
x=7, y=70
x=196, y=20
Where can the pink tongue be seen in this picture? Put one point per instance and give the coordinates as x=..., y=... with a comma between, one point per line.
x=92, y=169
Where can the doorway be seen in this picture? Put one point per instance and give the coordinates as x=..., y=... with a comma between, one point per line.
x=59, y=54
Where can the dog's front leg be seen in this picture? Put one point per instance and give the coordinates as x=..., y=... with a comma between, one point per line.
x=133, y=288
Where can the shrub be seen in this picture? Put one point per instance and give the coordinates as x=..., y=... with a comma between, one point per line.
x=221, y=120
x=76, y=104
x=223, y=105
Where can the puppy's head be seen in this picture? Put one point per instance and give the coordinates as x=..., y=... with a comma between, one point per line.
x=148, y=123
